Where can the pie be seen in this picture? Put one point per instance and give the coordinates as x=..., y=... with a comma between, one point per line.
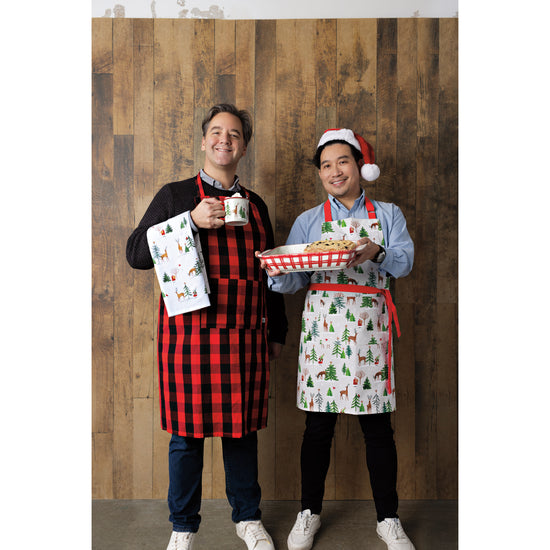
x=330, y=246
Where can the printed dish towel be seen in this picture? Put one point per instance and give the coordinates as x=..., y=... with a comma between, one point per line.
x=179, y=265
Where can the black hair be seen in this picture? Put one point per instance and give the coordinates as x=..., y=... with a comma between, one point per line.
x=357, y=155
x=241, y=114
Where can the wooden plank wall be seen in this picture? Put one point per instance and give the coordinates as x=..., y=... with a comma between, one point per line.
x=392, y=80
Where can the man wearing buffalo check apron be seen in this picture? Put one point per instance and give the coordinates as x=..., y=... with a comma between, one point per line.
x=214, y=361
x=346, y=360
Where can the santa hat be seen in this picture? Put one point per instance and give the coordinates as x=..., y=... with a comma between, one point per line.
x=369, y=170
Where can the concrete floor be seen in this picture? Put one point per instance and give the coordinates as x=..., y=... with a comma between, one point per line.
x=346, y=525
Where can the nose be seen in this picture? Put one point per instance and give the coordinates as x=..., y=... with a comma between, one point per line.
x=336, y=169
x=225, y=137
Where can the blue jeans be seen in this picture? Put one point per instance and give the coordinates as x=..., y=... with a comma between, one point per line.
x=185, y=463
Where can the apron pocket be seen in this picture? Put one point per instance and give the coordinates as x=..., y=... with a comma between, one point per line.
x=234, y=303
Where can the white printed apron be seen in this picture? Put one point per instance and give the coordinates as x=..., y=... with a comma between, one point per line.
x=345, y=359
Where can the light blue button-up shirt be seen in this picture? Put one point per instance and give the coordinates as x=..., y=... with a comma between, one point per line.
x=307, y=228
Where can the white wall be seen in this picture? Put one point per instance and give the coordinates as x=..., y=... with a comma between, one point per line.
x=274, y=9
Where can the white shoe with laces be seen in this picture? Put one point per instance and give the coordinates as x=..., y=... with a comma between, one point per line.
x=303, y=532
x=181, y=541
x=392, y=533
x=255, y=535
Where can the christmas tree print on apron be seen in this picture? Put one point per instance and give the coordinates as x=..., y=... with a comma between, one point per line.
x=179, y=265
x=345, y=360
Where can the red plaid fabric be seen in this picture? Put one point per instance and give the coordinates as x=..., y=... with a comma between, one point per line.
x=213, y=363
x=309, y=261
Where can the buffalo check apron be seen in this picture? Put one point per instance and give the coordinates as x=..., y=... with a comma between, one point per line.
x=345, y=359
x=213, y=362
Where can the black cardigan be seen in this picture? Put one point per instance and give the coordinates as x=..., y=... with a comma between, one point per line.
x=183, y=196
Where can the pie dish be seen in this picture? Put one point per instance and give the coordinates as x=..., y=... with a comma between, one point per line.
x=293, y=258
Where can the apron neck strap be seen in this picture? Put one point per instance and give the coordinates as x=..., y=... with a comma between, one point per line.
x=199, y=185
x=201, y=188
x=368, y=206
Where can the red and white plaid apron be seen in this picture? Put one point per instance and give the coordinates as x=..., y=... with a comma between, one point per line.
x=213, y=362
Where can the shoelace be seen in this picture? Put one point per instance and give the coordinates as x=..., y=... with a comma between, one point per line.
x=254, y=532
x=395, y=530
x=181, y=537
x=303, y=522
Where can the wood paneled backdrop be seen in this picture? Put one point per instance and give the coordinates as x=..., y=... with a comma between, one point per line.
x=392, y=80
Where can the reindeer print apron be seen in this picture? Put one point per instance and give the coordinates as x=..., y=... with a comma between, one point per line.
x=345, y=359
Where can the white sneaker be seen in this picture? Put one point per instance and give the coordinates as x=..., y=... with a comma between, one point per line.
x=255, y=535
x=181, y=541
x=391, y=532
x=301, y=536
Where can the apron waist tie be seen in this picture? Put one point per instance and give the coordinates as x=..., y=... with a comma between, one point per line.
x=392, y=311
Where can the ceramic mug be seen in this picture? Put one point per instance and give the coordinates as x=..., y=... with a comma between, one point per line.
x=236, y=210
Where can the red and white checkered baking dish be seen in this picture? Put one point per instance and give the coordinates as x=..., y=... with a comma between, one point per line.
x=293, y=258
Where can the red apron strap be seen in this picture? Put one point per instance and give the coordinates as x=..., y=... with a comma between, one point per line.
x=204, y=196
x=368, y=205
x=370, y=208
x=201, y=189
x=392, y=311
x=328, y=213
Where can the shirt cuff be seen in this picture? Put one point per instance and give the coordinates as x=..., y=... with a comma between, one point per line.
x=192, y=224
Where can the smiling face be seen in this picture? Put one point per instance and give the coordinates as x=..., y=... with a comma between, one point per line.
x=339, y=173
x=223, y=144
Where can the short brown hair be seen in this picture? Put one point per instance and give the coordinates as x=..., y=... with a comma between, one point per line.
x=241, y=114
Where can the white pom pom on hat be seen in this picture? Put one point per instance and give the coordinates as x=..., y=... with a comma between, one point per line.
x=369, y=170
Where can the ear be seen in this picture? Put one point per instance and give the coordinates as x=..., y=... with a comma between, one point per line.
x=203, y=146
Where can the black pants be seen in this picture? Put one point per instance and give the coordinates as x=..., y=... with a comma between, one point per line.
x=380, y=453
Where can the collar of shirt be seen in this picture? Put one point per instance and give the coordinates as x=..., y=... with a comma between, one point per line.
x=215, y=183
x=342, y=212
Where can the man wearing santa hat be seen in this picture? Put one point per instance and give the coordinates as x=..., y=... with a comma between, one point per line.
x=346, y=361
